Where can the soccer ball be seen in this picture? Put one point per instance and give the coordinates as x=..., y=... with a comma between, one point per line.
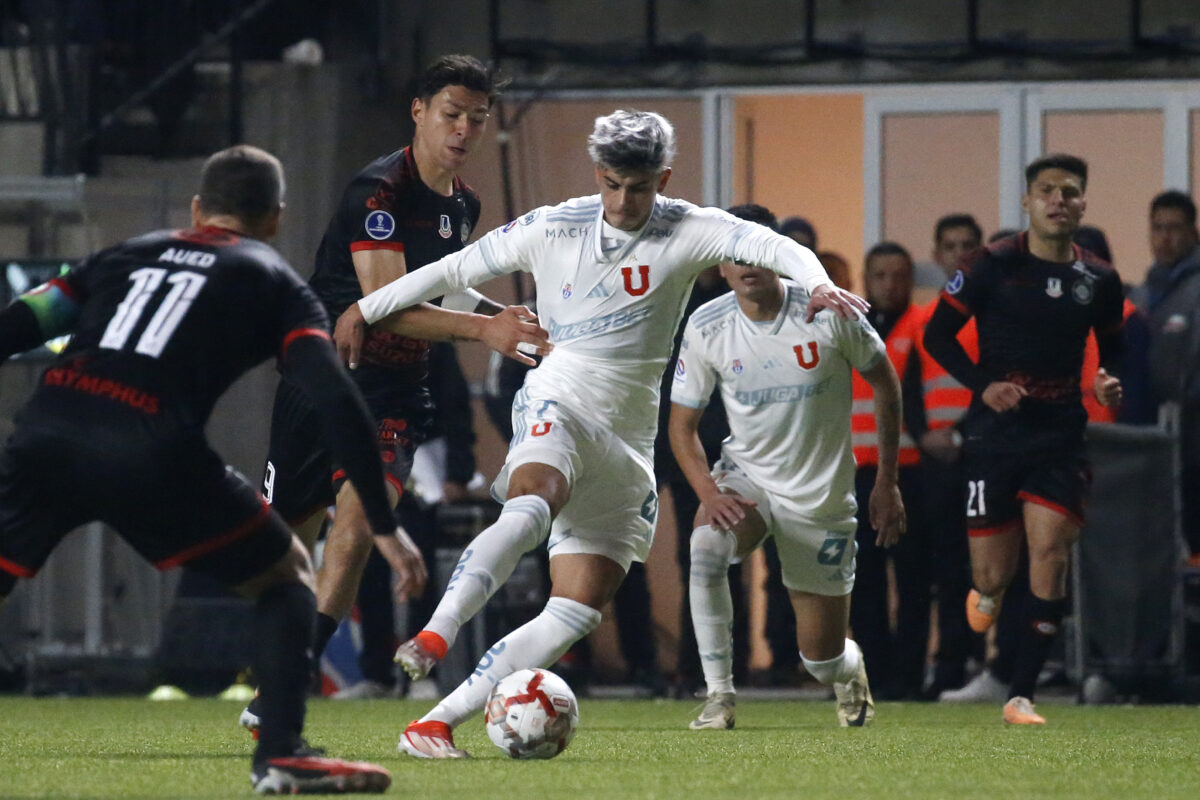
x=532, y=713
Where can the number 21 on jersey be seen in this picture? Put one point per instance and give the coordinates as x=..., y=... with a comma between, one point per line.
x=975, y=504
x=167, y=316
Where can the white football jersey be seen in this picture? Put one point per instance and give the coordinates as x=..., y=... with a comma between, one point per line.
x=787, y=392
x=611, y=313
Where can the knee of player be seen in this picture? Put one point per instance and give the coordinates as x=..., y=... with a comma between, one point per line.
x=542, y=480
x=711, y=551
x=1051, y=562
x=991, y=579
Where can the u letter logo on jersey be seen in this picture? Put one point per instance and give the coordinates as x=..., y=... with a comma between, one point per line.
x=814, y=357
x=643, y=277
x=541, y=429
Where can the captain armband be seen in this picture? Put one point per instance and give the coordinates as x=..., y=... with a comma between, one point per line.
x=53, y=306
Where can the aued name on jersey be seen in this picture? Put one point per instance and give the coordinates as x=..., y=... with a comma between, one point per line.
x=188, y=258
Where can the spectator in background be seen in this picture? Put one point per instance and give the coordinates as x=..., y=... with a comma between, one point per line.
x=837, y=267
x=934, y=405
x=801, y=231
x=1138, y=406
x=1171, y=298
x=887, y=276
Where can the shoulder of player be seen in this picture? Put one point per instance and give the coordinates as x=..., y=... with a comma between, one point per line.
x=570, y=219
x=714, y=316
x=1103, y=270
x=681, y=212
x=381, y=185
x=995, y=254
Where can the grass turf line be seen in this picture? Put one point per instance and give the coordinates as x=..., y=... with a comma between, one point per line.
x=131, y=748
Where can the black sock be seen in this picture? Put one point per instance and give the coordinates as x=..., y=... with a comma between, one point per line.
x=1043, y=620
x=283, y=629
x=326, y=627
x=1009, y=625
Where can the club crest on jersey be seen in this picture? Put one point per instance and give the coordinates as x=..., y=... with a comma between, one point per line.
x=955, y=284
x=380, y=225
x=643, y=280
x=737, y=366
x=1054, y=287
x=567, y=291
x=680, y=369
x=1083, y=291
x=444, y=229
x=812, y=359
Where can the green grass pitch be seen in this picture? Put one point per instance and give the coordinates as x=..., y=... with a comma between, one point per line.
x=131, y=748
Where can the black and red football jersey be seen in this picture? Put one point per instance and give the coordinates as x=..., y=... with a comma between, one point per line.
x=388, y=207
x=1033, y=318
x=167, y=321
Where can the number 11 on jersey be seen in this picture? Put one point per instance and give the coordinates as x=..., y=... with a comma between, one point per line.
x=171, y=309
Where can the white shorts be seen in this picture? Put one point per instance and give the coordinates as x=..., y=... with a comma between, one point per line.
x=613, y=503
x=816, y=558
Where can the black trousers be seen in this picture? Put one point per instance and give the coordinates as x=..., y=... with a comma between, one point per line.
x=945, y=509
x=897, y=655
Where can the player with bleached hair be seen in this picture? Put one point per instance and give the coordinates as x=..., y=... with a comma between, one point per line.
x=613, y=272
x=786, y=470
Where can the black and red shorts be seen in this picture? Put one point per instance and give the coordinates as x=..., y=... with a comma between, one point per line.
x=174, y=502
x=302, y=476
x=999, y=484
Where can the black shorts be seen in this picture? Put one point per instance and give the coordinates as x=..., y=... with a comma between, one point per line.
x=301, y=475
x=174, y=503
x=998, y=485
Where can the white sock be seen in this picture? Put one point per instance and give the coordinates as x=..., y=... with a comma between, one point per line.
x=840, y=669
x=537, y=643
x=488, y=561
x=712, y=605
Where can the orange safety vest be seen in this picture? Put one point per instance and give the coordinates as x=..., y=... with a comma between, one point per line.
x=1087, y=376
x=863, y=435
x=946, y=400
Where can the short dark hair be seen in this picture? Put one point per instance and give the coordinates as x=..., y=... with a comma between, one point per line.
x=799, y=225
x=887, y=249
x=242, y=181
x=1069, y=163
x=1173, y=198
x=755, y=213
x=1003, y=233
x=460, y=70
x=957, y=221
x=1093, y=239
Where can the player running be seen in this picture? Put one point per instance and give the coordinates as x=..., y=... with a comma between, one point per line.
x=1034, y=298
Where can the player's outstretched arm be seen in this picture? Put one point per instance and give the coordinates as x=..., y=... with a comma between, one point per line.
x=724, y=510
x=886, y=507
x=513, y=332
